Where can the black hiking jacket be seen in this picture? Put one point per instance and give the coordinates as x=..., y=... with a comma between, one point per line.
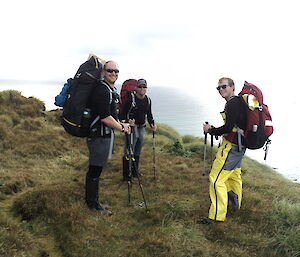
x=103, y=103
x=138, y=112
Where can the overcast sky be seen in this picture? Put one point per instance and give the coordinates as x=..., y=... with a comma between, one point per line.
x=183, y=44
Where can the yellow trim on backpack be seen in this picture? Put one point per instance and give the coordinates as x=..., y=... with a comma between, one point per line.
x=71, y=123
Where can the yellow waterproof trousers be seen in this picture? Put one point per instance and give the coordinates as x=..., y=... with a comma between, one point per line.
x=225, y=176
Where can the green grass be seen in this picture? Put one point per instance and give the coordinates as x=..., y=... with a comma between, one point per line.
x=42, y=210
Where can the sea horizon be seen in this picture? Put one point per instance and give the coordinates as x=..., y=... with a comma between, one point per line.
x=186, y=112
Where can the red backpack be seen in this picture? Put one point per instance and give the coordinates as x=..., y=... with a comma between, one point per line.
x=127, y=88
x=259, y=121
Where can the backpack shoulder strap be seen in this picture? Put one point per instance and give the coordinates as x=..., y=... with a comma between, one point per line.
x=133, y=103
x=110, y=91
x=149, y=100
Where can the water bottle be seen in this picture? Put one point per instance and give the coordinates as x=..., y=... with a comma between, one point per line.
x=86, y=117
x=254, y=128
x=87, y=113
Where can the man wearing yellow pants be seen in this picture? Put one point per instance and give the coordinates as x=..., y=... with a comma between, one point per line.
x=225, y=176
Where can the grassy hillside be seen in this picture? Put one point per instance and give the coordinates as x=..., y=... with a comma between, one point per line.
x=42, y=211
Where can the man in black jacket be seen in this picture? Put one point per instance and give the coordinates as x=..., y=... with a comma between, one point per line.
x=103, y=103
x=135, y=110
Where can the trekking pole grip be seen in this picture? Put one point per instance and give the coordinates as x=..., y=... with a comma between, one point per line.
x=205, y=134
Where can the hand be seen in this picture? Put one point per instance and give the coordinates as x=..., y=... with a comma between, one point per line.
x=153, y=127
x=131, y=122
x=127, y=128
x=206, y=126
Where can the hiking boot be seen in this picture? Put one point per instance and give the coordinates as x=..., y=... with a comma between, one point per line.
x=100, y=208
x=92, y=195
x=233, y=201
x=208, y=221
x=105, y=206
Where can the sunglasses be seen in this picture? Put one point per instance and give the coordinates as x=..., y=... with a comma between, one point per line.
x=111, y=71
x=142, y=86
x=222, y=86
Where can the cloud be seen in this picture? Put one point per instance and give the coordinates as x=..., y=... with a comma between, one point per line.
x=170, y=43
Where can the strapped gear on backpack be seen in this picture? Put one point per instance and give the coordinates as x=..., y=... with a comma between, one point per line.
x=61, y=98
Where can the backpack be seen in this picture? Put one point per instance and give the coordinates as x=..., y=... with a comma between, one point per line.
x=259, y=121
x=127, y=88
x=76, y=116
x=61, y=98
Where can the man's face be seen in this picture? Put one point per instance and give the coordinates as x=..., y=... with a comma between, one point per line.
x=111, y=72
x=225, y=90
x=141, y=89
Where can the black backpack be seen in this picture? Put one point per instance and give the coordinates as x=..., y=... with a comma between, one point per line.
x=76, y=117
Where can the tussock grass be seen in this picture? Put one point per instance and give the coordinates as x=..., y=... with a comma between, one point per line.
x=167, y=132
x=16, y=239
x=42, y=210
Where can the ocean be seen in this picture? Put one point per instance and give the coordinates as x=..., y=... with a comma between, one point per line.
x=186, y=111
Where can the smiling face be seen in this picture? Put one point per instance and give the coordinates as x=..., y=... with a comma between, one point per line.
x=111, y=72
x=141, y=91
x=141, y=88
x=225, y=88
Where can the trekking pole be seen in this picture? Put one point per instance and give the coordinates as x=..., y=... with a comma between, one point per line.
x=204, y=152
x=129, y=182
x=132, y=162
x=141, y=187
x=211, y=148
x=266, y=149
x=154, y=159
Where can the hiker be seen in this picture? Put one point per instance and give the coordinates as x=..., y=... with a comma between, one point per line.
x=103, y=102
x=134, y=111
x=225, y=176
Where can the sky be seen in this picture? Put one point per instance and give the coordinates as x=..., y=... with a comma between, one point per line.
x=172, y=43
